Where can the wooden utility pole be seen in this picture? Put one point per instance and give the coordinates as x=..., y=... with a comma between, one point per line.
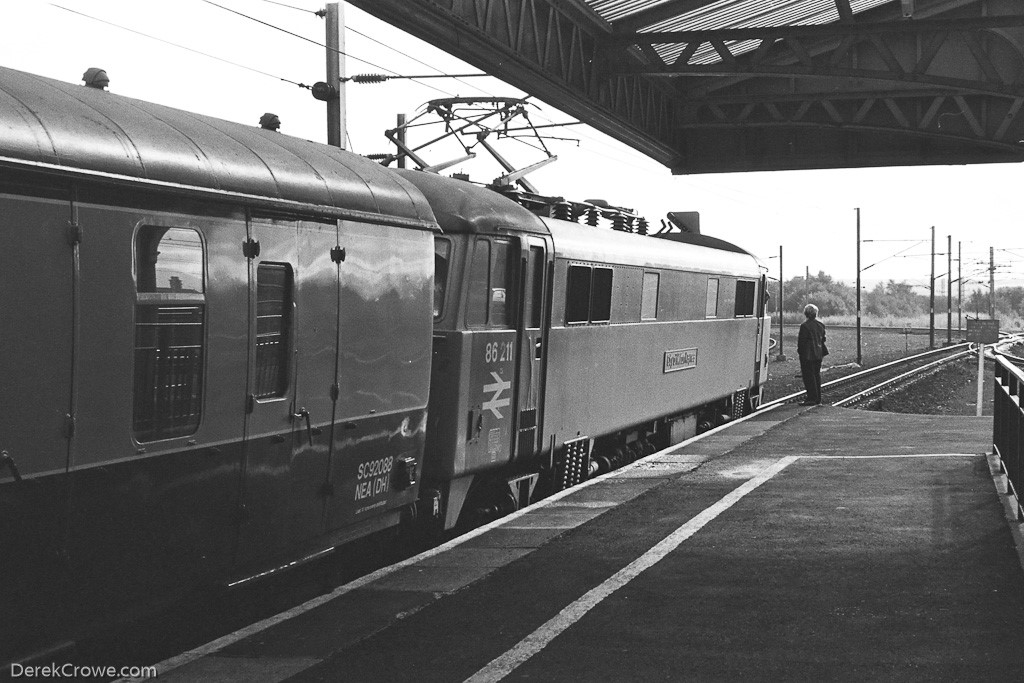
x=931, y=299
x=960, y=287
x=782, y=326
x=949, y=290
x=400, y=127
x=858, y=287
x=992, y=283
x=335, y=42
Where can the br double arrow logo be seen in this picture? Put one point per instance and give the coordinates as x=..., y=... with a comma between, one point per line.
x=498, y=387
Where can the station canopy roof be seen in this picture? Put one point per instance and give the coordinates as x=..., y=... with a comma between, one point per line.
x=708, y=86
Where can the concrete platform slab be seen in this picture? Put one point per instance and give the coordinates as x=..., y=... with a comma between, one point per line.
x=832, y=544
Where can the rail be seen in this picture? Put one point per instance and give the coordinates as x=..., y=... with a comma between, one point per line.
x=1008, y=426
x=900, y=378
x=950, y=352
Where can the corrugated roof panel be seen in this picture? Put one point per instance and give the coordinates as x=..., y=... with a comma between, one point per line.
x=748, y=14
x=731, y=13
x=751, y=14
x=610, y=10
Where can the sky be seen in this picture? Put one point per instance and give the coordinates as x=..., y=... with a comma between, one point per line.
x=204, y=56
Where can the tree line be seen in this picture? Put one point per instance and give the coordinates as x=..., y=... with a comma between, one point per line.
x=889, y=299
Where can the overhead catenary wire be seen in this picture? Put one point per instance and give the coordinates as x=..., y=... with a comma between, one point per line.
x=898, y=253
x=315, y=42
x=179, y=46
x=293, y=34
x=300, y=9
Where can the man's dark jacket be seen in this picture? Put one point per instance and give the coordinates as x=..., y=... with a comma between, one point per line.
x=810, y=343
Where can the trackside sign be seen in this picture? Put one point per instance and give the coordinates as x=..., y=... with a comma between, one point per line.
x=983, y=331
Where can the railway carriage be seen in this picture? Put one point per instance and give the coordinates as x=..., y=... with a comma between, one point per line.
x=214, y=352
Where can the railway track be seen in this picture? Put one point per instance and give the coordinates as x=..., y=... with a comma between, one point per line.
x=896, y=375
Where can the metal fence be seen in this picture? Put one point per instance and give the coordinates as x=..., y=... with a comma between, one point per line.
x=1008, y=425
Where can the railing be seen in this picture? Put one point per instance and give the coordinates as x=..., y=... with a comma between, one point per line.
x=1008, y=426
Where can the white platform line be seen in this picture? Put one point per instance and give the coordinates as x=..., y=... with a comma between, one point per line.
x=539, y=639
x=817, y=456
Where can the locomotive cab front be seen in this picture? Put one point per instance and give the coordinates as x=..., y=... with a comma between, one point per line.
x=486, y=390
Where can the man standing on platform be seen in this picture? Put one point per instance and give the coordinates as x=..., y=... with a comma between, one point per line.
x=810, y=346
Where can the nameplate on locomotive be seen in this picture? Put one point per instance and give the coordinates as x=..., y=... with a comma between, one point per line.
x=680, y=359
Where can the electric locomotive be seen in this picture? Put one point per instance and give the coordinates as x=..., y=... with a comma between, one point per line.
x=564, y=350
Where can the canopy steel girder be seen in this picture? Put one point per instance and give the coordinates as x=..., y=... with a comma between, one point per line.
x=548, y=48
x=870, y=89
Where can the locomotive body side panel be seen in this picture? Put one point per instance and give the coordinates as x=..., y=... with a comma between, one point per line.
x=642, y=329
x=490, y=397
x=447, y=435
x=603, y=379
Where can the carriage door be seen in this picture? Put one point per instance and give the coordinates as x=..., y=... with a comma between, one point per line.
x=38, y=281
x=532, y=346
x=292, y=346
x=317, y=312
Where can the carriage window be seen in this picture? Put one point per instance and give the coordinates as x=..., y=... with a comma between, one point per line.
x=535, y=280
x=169, y=333
x=501, y=286
x=588, y=295
x=490, y=285
x=577, y=295
x=479, y=284
x=649, y=302
x=273, y=328
x=711, y=307
x=601, y=296
x=442, y=257
x=169, y=260
x=744, y=298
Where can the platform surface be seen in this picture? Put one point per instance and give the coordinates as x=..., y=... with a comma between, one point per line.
x=800, y=544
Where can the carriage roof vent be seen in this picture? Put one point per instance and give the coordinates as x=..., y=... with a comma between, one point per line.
x=95, y=78
x=270, y=121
